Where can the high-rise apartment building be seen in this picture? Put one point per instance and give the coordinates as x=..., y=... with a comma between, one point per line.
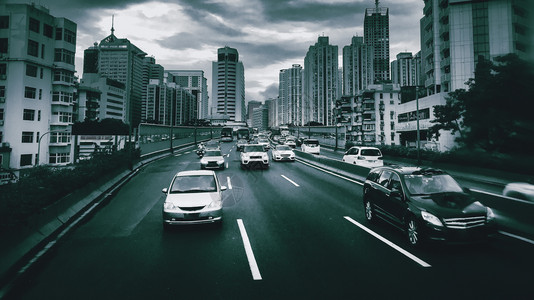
x=290, y=96
x=404, y=70
x=36, y=86
x=376, y=35
x=120, y=60
x=456, y=34
x=251, y=105
x=320, y=82
x=228, y=80
x=358, y=71
x=194, y=82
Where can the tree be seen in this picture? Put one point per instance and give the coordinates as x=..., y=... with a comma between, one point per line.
x=494, y=114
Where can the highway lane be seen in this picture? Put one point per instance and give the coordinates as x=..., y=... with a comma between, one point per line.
x=297, y=219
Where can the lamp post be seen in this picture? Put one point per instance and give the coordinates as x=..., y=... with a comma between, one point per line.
x=418, y=132
x=39, y=144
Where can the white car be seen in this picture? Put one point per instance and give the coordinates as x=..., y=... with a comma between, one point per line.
x=369, y=157
x=254, y=155
x=519, y=190
x=265, y=143
x=193, y=197
x=212, y=159
x=282, y=152
x=311, y=146
x=291, y=143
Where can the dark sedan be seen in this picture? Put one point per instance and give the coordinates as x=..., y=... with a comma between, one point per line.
x=427, y=204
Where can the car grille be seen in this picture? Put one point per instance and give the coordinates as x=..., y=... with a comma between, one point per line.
x=465, y=223
x=286, y=155
x=212, y=164
x=193, y=208
x=255, y=157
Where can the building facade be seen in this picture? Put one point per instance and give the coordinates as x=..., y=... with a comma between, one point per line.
x=404, y=70
x=358, y=71
x=100, y=98
x=228, y=80
x=376, y=35
x=289, y=104
x=36, y=87
x=195, y=83
x=320, y=82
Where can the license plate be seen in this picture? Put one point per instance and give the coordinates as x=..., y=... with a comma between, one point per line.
x=192, y=216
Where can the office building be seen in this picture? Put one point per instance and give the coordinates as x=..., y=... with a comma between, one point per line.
x=404, y=70
x=228, y=80
x=320, y=82
x=376, y=35
x=100, y=98
x=195, y=83
x=37, y=89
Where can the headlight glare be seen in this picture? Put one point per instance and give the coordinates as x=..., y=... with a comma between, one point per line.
x=430, y=218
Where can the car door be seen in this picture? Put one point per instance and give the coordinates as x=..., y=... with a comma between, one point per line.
x=380, y=193
x=350, y=156
x=394, y=200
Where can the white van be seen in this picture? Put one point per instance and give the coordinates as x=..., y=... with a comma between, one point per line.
x=311, y=146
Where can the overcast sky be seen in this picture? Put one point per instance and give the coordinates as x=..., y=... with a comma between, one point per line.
x=269, y=34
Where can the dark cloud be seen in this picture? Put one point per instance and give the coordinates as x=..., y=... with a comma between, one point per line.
x=270, y=91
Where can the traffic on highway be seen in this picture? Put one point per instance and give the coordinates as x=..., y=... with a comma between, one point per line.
x=280, y=230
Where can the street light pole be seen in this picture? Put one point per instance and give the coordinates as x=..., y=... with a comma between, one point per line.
x=418, y=133
x=39, y=144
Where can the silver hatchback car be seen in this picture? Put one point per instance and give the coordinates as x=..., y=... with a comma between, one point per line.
x=193, y=197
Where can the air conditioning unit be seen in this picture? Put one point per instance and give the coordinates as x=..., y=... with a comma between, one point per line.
x=2, y=99
x=1, y=122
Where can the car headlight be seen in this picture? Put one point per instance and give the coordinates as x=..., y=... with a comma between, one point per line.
x=220, y=162
x=430, y=218
x=169, y=206
x=489, y=214
x=215, y=204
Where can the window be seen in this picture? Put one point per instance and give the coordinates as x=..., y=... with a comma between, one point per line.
x=3, y=45
x=48, y=30
x=60, y=137
x=1, y=135
x=31, y=70
x=2, y=90
x=28, y=115
x=27, y=136
x=42, y=50
x=35, y=25
x=30, y=92
x=59, y=33
x=394, y=183
x=40, y=94
x=1, y=113
x=57, y=158
x=62, y=55
x=39, y=115
x=4, y=22
x=383, y=180
x=25, y=160
x=33, y=48
x=70, y=37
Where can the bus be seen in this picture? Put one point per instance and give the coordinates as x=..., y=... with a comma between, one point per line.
x=227, y=134
x=243, y=133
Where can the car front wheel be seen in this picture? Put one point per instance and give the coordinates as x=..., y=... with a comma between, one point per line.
x=413, y=233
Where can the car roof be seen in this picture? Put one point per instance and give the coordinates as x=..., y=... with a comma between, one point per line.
x=409, y=170
x=364, y=147
x=195, y=172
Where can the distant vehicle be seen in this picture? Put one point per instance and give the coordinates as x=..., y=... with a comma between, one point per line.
x=243, y=133
x=311, y=146
x=291, y=142
x=265, y=143
x=282, y=152
x=254, y=155
x=519, y=190
x=212, y=145
x=193, y=197
x=240, y=144
x=227, y=134
x=427, y=204
x=212, y=159
x=369, y=157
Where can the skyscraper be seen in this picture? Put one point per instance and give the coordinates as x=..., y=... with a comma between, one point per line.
x=404, y=70
x=228, y=82
x=290, y=96
x=320, y=82
x=36, y=86
x=358, y=70
x=194, y=82
x=376, y=35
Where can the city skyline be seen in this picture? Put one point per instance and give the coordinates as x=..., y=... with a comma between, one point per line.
x=269, y=35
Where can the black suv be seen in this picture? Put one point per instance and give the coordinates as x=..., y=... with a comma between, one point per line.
x=428, y=204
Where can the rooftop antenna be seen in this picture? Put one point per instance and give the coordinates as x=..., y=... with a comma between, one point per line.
x=112, y=23
x=377, y=3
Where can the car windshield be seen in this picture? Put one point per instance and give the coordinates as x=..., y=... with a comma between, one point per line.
x=431, y=184
x=212, y=144
x=370, y=152
x=263, y=141
x=193, y=184
x=253, y=148
x=312, y=143
x=213, y=153
x=283, y=147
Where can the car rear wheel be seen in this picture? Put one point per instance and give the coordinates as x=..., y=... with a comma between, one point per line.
x=413, y=233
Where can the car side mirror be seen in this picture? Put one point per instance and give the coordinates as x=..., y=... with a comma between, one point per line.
x=466, y=190
x=165, y=190
x=223, y=188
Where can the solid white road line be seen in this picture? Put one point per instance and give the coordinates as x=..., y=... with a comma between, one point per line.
x=229, y=182
x=294, y=183
x=331, y=173
x=248, y=249
x=387, y=242
x=517, y=237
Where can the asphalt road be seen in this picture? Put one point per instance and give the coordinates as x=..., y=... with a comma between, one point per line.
x=308, y=239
